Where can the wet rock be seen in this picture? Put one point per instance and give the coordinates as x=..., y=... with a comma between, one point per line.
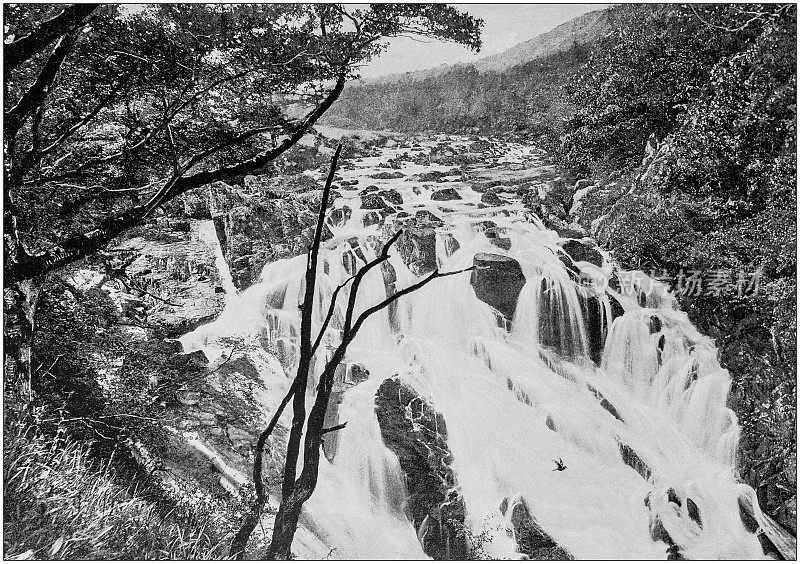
x=632, y=459
x=655, y=324
x=616, y=308
x=357, y=372
x=267, y=230
x=497, y=281
x=532, y=539
x=391, y=196
x=445, y=195
x=694, y=511
x=450, y=244
x=480, y=146
x=417, y=244
x=496, y=238
x=430, y=176
x=427, y=218
x=604, y=403
x=484, y=185
x=659, y=533
x=491, y=199
x=672, y=497
x=580, y=251
x=385, y=175
x=371, y=218
x=746, y=515
x=434, y=505
x=372, y=202
x=340, y=216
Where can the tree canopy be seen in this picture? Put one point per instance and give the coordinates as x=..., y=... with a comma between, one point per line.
x=111, y=110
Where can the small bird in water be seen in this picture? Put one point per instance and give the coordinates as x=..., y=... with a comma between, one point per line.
x=559, y=465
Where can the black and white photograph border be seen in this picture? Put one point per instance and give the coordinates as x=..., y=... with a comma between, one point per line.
x=399, y=281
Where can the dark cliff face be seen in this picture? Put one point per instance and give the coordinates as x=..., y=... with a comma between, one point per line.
x=420, y=443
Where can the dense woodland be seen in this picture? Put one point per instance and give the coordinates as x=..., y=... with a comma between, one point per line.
x=525, y=100
x=713, y=189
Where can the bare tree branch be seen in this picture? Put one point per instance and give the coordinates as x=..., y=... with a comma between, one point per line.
x=329, y=316
x=338, y=427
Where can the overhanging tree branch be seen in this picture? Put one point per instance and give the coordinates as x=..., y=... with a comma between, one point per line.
x=73, y=248
x=34, y=97
x=22, y=49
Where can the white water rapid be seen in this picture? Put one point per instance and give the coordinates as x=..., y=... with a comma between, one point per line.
x=645, y=434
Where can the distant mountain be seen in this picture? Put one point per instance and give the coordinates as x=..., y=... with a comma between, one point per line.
x=583, y=30
x=518, y=91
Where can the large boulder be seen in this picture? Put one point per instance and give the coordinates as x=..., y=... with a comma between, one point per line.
x=386, y=175
x=582, y=251
x=434, y=505
x=497, y=281
x=417, y=244
x=491, y=199
x=392, y=196
x=372, y=202
x=267, y=229
x=445, y=194
x=532, y=540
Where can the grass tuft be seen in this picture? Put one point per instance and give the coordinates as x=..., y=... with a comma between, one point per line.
x=60, y=504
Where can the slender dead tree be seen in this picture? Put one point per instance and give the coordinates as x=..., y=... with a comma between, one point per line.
x=296, y=490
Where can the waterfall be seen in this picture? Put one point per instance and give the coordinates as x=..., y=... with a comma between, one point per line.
x=207, y=233
x=641, y=424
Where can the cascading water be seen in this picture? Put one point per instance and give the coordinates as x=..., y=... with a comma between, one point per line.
x=647, y=440
x=207, y=232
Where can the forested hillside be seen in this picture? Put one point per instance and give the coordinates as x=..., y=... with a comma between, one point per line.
x=527, y=99
x=707, y=95
x=678, y=130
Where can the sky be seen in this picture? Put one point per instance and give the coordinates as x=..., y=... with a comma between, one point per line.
x=505, y=26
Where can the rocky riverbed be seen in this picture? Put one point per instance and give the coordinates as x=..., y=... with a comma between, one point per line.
x=431, y=187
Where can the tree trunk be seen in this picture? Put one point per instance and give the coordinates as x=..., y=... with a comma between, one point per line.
x=19, y=309
x=285, y=526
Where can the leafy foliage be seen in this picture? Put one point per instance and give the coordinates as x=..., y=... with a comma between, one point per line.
x=526, y=99
x=715, y=89
x=124, y=108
